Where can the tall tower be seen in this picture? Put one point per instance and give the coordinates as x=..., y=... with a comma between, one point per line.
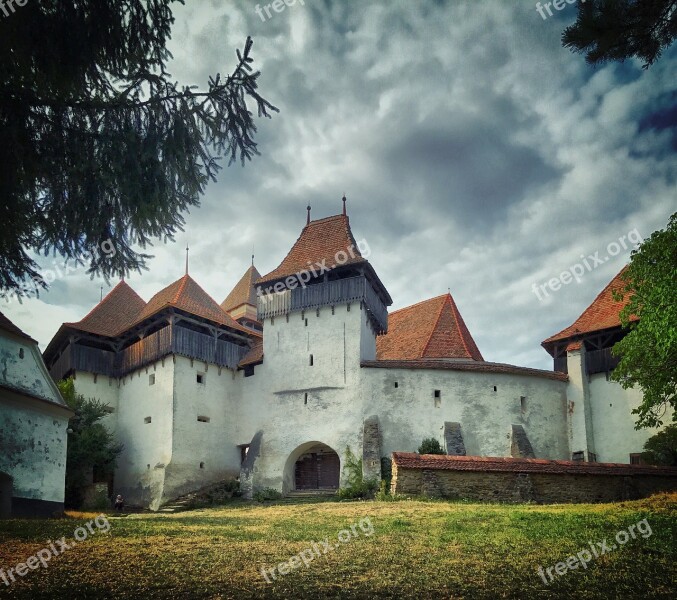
x=324, y=305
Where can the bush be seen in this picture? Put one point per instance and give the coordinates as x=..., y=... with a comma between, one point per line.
x=430, y=446
x=267, y=494
x=661, y=449
x=357, y=486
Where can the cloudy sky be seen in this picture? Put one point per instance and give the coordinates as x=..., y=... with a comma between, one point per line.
x=476, y=153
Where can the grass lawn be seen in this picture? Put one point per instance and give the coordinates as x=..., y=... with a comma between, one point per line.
x=416, y=549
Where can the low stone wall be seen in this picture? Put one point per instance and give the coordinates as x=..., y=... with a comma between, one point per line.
x=525, y=480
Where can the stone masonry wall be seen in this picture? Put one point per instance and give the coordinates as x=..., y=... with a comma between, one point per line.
x=522, y=487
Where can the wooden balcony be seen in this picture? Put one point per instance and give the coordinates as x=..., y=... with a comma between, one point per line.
x=340, y=291
x=166, y=341
x=600, y=361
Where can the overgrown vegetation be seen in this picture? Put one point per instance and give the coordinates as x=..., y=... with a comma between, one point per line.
x=429, y=550
x=91, y=447
x=661, y=449
x=267, y=494
x=430, y=446
x=649, y=352
x=356, y=486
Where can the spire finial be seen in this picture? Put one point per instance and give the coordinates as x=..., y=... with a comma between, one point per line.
x=252, y=255
x=344, y=204
x=187, y=259
x=308, y=219
x=101, y=294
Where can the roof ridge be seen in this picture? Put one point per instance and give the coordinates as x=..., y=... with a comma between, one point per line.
x=434, y=327
x=459, y=321
x=106, y=298
x=588, y=307
x=182, y=287
x=416, y=304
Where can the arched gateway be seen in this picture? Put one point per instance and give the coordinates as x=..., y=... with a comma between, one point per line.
x=312, y=466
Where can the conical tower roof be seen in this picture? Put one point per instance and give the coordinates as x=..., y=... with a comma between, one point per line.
x=244, y=291
x=601, y=314
x=119, y=309
x=432, y=329
x=185, y=294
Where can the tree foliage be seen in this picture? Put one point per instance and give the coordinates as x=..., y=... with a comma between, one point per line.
x=649, y=352
x=621, y=29
x=430, y=446
x=661, y=449
x=97, y=142
x=91, y=446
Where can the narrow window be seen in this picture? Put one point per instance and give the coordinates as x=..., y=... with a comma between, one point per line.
x=396, y=384
x=244, y=449
x=438, y=398
x=311, y=360
x=21, y=352
x=305, y=398
x=437, y=394
x=523, y=403
x=306, y=321
x=151, y=379
x=147, y=420
x=200, y=378
x=495, y=388
x=203, y=419
x=636, y=458
x=202, y=465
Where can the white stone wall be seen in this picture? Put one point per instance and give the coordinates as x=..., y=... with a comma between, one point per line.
x=613, y=423
x=33, y=438
x=34, y=441
x=408, y=413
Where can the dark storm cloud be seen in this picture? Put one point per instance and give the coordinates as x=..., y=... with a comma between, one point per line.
x=477, y=154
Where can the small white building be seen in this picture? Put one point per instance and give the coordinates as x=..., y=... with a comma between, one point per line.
x=33, y=429
x=198, y=392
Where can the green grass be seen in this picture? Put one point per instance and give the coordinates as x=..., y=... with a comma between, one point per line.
x=418, y=550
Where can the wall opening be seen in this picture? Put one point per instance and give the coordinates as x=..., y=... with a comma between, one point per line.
x=200, y=378
x=312, y=466
x=203, y=419
x=6, y=491
x=147, y=420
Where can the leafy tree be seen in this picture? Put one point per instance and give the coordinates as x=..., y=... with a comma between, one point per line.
x=661, y=449
x=620, y=29
x=90, y=445
x=98, y=144
x=430, y=446
x=649, y=352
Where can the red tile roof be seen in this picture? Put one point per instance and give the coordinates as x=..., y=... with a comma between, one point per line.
x=244, y=291
x=254, y=356
x=7, y=325
x=430, y=329
x=411, y=460
x=116, y=312
x=462, y=365
x=185, y=294
x=601, y=314
x=325, y=240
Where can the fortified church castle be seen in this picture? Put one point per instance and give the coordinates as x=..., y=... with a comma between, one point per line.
x=295, y=366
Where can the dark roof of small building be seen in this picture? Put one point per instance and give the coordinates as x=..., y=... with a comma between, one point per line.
x=412, y=460
x=600, y=315
x=463, y=365
x=254, y=356
x=433, y=328
x=322, y=241
x=7, y=325
x=244, y=291
x=118, y=310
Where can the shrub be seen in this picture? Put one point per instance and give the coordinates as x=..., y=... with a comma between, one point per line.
x=356, y=485
x=661, y=449
x=267, y=494
x=430, y=446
